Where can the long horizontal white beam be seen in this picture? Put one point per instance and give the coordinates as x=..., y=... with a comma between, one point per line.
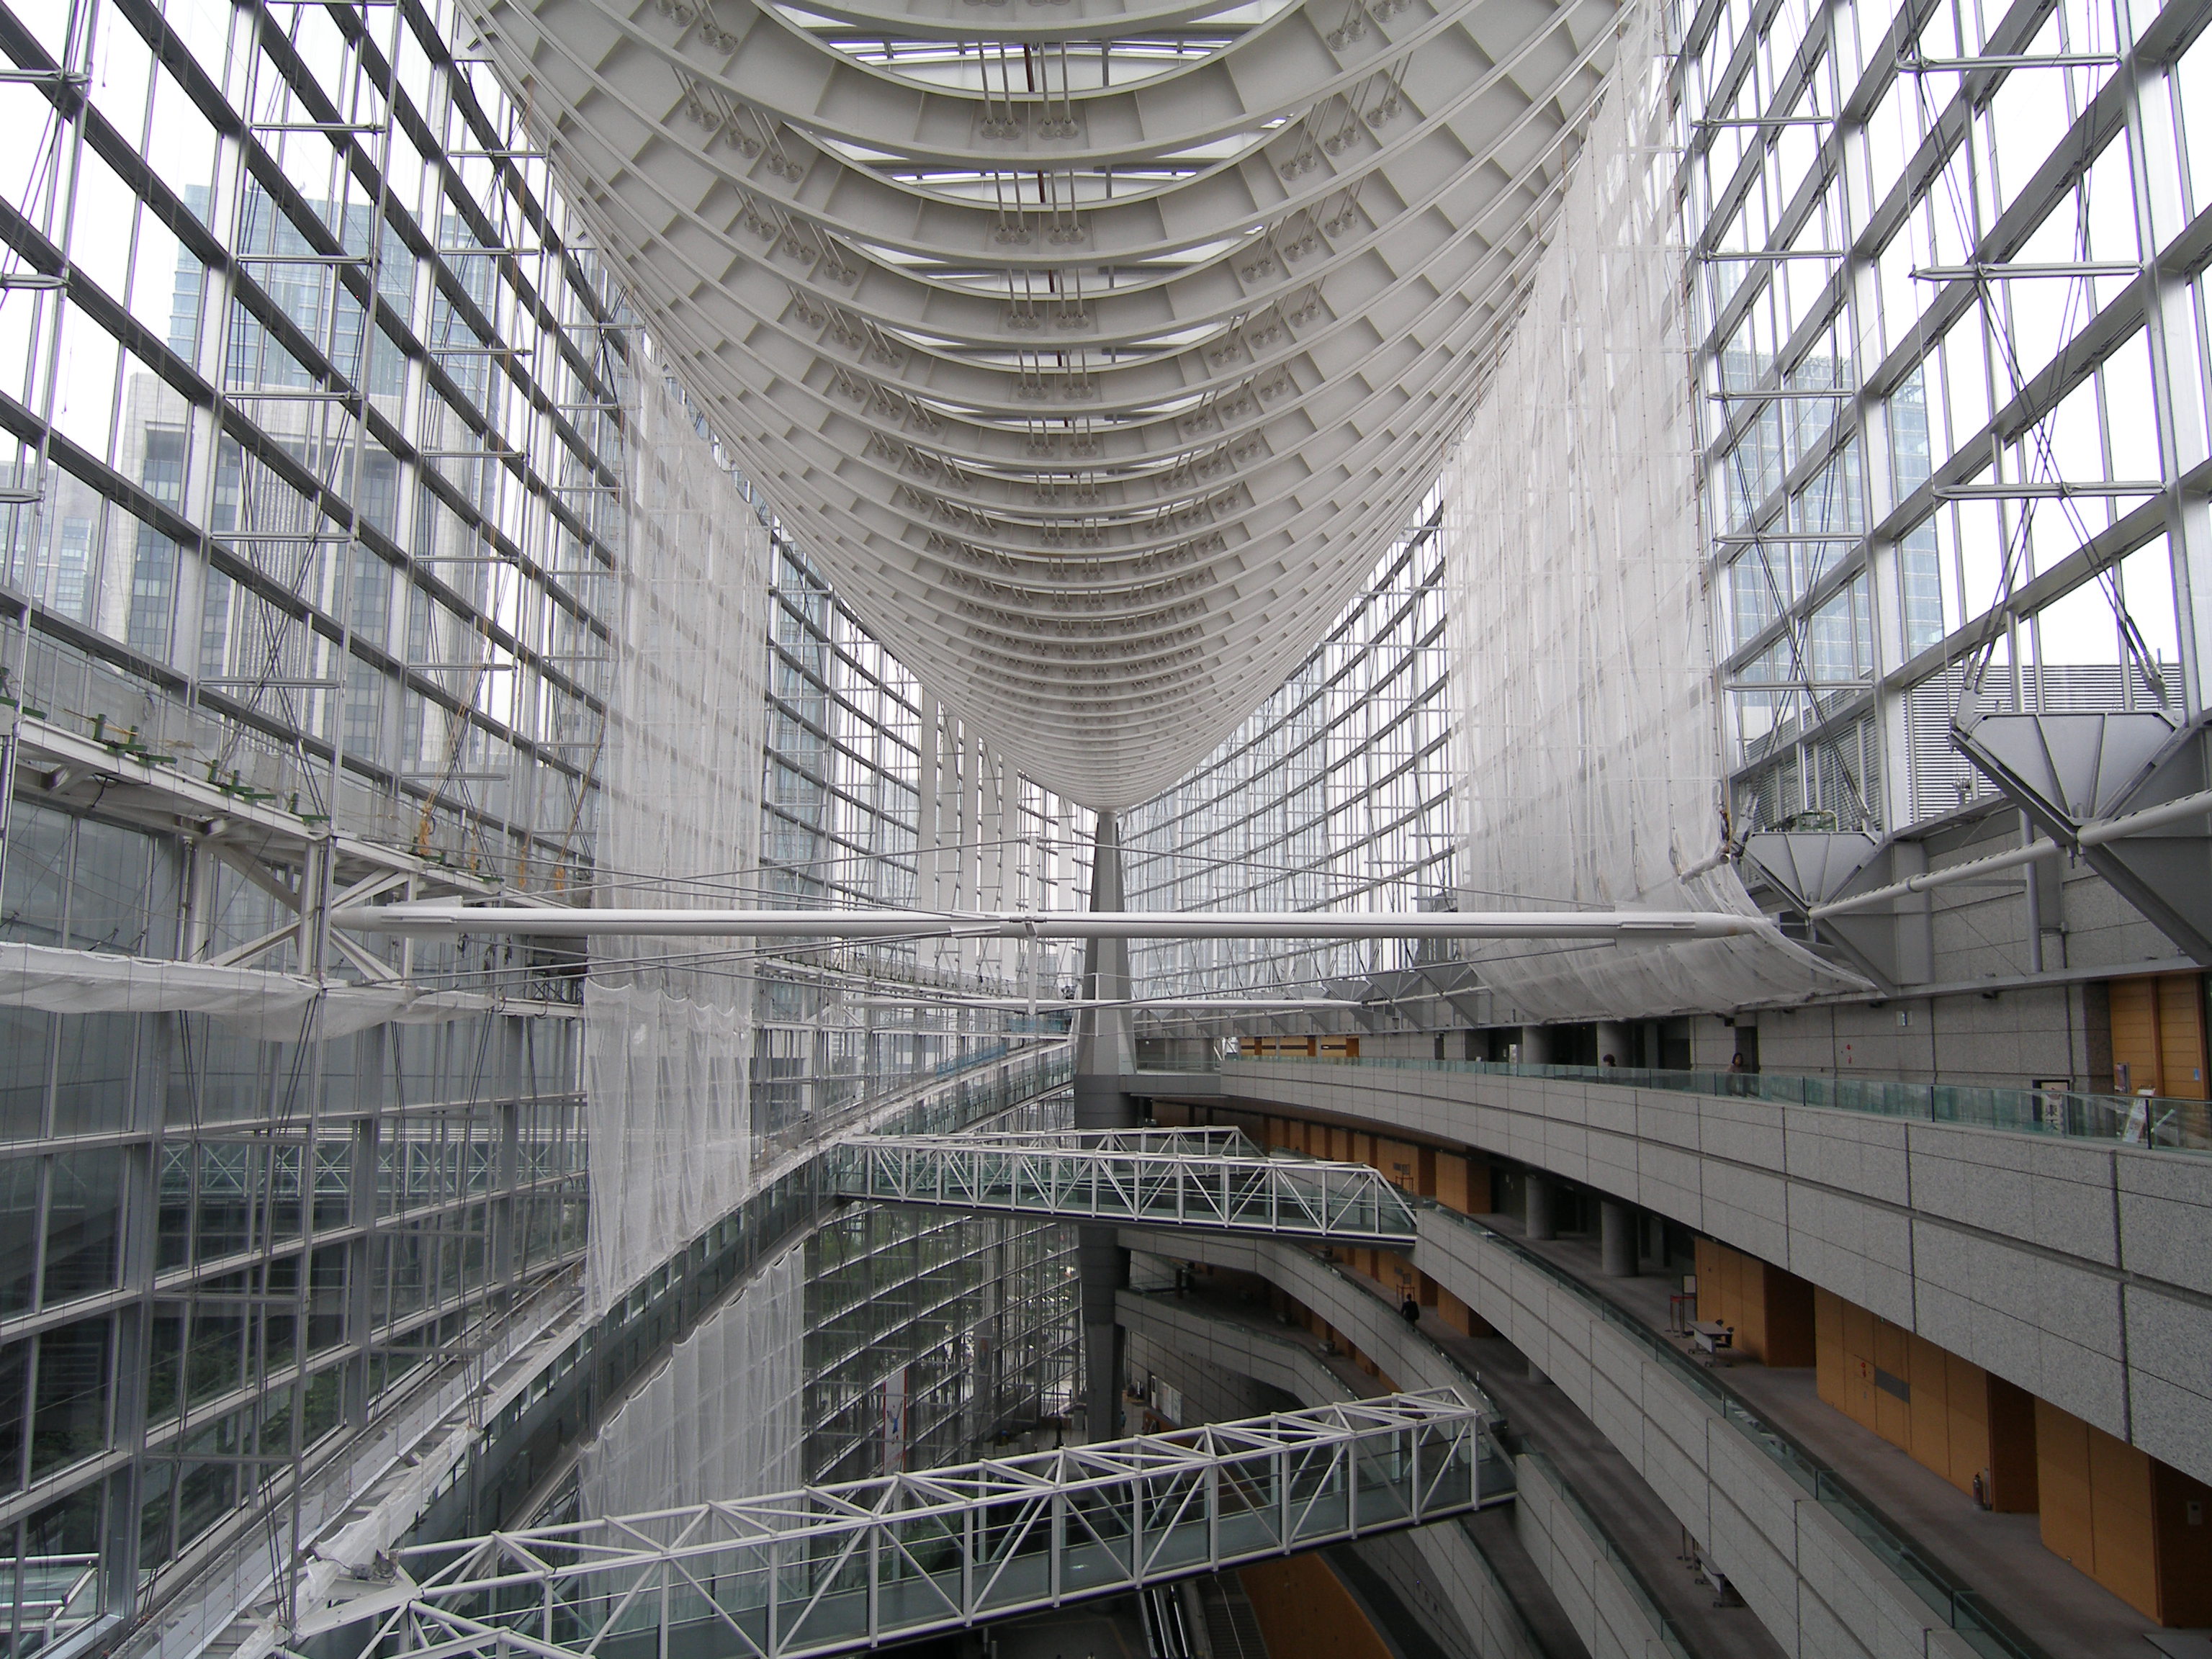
x=2096, y=834
x=1142, y=1004
x=1599, y=926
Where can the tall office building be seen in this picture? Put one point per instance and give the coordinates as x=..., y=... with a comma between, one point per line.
x=779, y=783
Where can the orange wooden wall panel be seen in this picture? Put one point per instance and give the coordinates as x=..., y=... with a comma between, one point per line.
x=2097, y=1506
x=2185, y=1547
x=1828, y=1348
x=1399, y=1162
x=2123, y=1539
x=2181, y=1036
x=1930, y=1409
x=2062, y=1459
x=1305, y=1613
x=1451, y=1183
x=2134, y=1006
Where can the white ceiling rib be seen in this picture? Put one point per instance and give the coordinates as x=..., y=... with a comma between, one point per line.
x=1095, y=400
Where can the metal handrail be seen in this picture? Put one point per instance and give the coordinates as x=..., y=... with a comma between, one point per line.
x=1964, y=1608
x=830, y=1568
x=2153, y=1122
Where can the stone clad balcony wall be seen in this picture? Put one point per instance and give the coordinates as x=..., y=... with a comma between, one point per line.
x=1817, y=1589
x=2080, y=1270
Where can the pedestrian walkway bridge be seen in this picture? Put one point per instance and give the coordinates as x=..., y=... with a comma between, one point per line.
x=1158, y=1177
x=831, y=1569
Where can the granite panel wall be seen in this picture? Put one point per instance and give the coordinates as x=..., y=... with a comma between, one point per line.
x=1812, y=1582
x=2081, y=1271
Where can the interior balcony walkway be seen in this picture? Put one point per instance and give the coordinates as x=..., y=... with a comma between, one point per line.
x=1558, y=1454
x=2069, y=1265
x=1824, y=1570
x=2003, y=1555
x=1205, y=1180
x=1636, y=1523
x=830, y=1570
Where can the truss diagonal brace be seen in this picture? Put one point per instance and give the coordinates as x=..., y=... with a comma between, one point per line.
x=1201, y=1184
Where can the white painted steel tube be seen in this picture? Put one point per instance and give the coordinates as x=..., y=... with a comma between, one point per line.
x=2031, y=854
x=2151, y=817
x=2091, y=834
x=1596, y=925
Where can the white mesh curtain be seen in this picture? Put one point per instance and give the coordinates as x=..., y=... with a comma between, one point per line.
x=254, y=1001
x=668, y=1026
x=724, y=1418
x=1583, y=677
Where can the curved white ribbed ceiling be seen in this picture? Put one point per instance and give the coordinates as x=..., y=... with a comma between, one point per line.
x=1095, y=348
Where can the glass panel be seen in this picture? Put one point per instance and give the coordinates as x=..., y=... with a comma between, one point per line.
x=69, y=1418
x=84, y=1220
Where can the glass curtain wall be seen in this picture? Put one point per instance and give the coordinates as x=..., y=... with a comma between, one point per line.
x=874, y=798
x=340, y=568
x=312, y=530
x=1948, y=338
x=1950, y=328
x=885, y=1338
x=928, y=1332
x=308, y=443
x=1336, y=793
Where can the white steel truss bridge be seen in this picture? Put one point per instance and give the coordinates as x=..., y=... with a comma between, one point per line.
x=1153, y=1178
x=830, y=1568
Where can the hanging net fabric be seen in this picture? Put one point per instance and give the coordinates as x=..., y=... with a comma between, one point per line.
x=1583, y=679
x=668, y=1026
x=724, y=1418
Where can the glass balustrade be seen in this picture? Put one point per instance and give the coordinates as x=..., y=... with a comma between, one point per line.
x=2148, y=1120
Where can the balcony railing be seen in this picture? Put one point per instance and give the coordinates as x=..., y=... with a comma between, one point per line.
x=2155, y=1122
x=1963, y=1609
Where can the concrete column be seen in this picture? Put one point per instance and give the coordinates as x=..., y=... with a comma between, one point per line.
x=1540, y=1215
x=1616, y=1224
x=1535, y=1046
x=1612, y=1038
x=1105, y=1054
